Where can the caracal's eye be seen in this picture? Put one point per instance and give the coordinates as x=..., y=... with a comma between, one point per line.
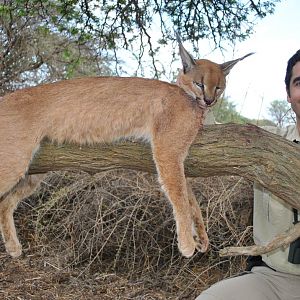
x=199, y=84
x=218, y=88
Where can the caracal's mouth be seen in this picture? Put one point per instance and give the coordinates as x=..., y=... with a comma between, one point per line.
x=205, y=103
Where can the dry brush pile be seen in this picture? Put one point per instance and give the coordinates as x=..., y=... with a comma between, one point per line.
x=119, y=222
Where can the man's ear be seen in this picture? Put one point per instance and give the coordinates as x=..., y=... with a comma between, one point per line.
x=288, y=96
x=227, y=66
x=188, y=62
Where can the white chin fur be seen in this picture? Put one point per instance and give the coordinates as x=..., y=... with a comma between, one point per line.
x=202, y=103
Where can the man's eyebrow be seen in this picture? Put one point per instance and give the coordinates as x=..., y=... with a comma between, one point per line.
x=296, y=79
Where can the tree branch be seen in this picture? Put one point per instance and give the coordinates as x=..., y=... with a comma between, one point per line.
x=281, y=240
x=243, y=150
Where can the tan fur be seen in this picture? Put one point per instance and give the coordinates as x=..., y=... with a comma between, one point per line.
x=105, y=109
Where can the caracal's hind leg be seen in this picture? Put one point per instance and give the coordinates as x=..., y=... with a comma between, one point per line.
x=199, y=227
x=8, y=204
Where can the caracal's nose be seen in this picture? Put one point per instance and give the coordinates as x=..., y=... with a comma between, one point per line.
x=208, y=101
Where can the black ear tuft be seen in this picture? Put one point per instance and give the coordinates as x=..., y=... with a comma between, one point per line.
x=188, y=61
x=227, y=66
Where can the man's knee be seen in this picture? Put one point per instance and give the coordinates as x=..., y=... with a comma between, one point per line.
x=206, y=297
x=229, y=289
x=213, y=293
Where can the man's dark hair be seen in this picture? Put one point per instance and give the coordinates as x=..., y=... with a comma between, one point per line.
x=292, y=61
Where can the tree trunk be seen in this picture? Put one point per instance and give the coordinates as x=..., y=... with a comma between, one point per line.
x=230, y=149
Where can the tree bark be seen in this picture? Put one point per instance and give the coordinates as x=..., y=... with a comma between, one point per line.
x=243, y=150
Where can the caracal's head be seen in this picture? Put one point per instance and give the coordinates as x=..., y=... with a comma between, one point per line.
x=203, y=79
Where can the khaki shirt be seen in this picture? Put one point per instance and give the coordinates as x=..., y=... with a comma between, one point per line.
x=271, y=216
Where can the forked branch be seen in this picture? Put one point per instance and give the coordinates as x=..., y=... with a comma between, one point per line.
x=282, y=240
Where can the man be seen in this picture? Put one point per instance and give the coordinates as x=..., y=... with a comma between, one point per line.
x=274, y=276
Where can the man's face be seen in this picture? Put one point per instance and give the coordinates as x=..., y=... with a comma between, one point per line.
x=294, y=97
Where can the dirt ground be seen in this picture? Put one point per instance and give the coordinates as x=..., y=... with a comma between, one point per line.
x=33, y=278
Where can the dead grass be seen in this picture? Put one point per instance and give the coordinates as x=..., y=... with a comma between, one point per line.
x=112, y=236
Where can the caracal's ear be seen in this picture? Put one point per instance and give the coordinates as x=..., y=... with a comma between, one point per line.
x=188, y=61
x=227, y=66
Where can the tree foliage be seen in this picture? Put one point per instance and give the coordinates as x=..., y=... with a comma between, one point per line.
x=75, y=28
x=225, y=112
x=33, y=50
x=281, y=113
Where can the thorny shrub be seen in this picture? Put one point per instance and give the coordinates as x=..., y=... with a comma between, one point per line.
x=120, y=221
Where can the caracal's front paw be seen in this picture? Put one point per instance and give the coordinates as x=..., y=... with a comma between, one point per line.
x=200, y=236
x=14, y=249
x=187, y=247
